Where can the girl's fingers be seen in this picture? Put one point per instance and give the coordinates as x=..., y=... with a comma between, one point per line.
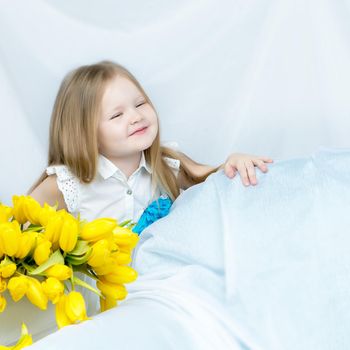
x=251, y=172
x=230, y=171
x=260, y=164
x=266, y=159
x=244, y=174
x=246, y=168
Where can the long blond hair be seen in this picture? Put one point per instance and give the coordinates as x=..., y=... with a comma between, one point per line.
x=73, y=130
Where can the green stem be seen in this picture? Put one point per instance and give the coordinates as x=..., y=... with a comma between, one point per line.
x=83, y=269
x=88, y=273
x=72, y=278
x=17, y=273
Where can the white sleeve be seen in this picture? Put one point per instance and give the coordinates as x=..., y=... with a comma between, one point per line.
x=68, y=184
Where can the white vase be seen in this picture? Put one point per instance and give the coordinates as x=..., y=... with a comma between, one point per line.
x=38, y=322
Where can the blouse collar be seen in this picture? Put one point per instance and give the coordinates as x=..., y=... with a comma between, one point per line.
x=107, y=169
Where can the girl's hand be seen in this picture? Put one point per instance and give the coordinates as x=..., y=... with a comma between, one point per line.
x=245, y=165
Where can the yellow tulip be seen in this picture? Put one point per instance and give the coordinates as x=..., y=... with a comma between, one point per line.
x=3, y=285
x=2, y=303
x=32, y=210
x=113, y=247
x=26, y=208
x=36, y=294
x=100, y=253
x=18, y=209
x=122, y=257
x=24, y=340
x=17, y=287
x=5, y=213
x=26, y=243
x=107, y=303
x=7, y=268
x=46, y=213
x=69, y=233
x=109, y=267
x=121, y=274
x=53, y=289
x=112, y=290
x=70, y=309
x=59, y=271
x=10, y=233
x=42, y=252
x=98, y=229
x=62, y=319
x=124, y=237
x=39, y=238
x=75, y=307
x=54, y=227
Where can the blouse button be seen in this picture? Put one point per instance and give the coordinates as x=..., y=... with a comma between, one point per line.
x=129, y=191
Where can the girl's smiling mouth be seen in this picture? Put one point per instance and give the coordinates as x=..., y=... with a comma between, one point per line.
x=139, y=131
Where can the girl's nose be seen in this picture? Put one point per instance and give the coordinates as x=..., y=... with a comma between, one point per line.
x=135, y=116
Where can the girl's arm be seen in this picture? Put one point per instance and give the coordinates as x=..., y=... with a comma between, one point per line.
x=48, y=192
x=193, y=170
x=244, y=164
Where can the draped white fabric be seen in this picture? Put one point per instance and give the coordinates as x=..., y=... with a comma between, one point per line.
x=234, y=267
x=260, y=76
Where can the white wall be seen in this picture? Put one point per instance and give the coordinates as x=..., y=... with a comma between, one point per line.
x=269, y=77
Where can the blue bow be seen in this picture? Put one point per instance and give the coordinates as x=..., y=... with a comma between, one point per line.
x=156, y=210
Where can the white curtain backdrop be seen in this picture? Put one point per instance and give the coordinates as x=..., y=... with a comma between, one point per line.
x=269, y=77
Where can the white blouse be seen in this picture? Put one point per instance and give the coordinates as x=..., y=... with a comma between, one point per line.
x=111, y=194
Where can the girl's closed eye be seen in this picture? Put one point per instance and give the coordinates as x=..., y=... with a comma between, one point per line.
x=115, y=116
x=141, y=104
x=120, y=114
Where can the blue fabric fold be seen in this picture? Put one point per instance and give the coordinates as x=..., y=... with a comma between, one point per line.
x=155, y=211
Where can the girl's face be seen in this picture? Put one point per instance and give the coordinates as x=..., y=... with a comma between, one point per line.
x=124, y=111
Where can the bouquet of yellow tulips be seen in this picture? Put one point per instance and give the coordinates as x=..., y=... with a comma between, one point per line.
x=41, y=248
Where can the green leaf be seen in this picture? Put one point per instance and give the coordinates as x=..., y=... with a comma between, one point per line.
x=80, y=282
x=124, y=223
x=55, y=258
x=35, y=228
x=79, y=260
x=82, y=247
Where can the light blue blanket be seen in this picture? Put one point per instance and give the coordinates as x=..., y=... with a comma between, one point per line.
x=234, y=267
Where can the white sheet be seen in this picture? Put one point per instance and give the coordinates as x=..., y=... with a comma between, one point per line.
x=232, y=267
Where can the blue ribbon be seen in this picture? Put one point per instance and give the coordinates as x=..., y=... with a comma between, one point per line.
x=155, y=211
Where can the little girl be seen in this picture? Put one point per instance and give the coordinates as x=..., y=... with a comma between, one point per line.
x=105, y=157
